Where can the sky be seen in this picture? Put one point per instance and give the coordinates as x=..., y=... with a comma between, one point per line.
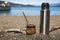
x=32, y=2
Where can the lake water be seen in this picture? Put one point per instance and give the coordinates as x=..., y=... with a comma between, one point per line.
x=29, y=11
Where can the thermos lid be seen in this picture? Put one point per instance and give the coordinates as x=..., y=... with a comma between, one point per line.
x=45, y=6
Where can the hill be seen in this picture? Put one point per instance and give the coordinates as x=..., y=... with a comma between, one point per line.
x=55, y=4
x=14, y=4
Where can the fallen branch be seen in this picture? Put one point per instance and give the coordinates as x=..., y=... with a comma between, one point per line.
x=53, y=29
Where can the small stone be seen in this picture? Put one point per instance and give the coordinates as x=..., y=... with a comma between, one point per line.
x=1, y=35
x=14, y=38
x=53, y=36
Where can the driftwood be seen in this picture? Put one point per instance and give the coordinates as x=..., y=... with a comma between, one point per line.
x=53, y=29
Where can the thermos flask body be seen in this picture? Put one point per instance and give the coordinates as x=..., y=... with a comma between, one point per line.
x=44, y=19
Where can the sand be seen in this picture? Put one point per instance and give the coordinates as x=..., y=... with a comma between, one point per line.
x=19, y=22
x=7, y=22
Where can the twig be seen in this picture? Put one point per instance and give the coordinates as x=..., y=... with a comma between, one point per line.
x=54, y=29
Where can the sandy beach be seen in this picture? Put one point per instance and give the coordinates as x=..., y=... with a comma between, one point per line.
x=19, y=22
x=7, y=22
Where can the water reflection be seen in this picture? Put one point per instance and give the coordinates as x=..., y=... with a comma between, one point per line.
x=4, y=13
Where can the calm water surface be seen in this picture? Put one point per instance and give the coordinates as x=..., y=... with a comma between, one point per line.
x=29, y=11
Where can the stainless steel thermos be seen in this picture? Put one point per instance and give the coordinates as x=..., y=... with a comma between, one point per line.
x=44, y=18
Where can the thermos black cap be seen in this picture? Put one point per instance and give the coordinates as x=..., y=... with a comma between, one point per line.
x=45, y=6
